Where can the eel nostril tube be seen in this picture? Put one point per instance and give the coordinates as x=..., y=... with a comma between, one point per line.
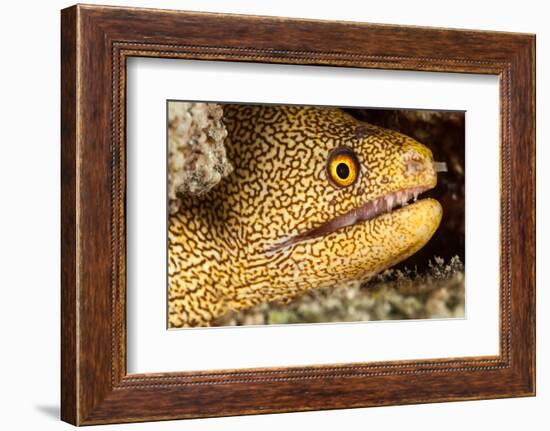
x=440, y=166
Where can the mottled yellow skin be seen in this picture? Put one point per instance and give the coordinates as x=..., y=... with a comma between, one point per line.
x=221, y=255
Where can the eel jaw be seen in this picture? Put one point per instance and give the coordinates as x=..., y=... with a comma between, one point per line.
x=368, y=211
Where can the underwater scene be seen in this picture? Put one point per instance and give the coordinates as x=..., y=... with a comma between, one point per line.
x=282, y=214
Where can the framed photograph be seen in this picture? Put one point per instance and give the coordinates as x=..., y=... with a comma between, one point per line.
x=265, y=214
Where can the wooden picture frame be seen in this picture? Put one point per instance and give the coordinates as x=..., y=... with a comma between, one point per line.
x=96, y=41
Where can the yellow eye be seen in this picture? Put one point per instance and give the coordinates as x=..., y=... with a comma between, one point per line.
x=343, y=167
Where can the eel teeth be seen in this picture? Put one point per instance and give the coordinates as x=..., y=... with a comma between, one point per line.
x=389, y=202
x=371, y=209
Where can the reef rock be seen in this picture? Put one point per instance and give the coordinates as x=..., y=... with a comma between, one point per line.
x=197, y=159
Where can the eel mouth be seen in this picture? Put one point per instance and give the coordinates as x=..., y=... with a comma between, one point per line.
x=368, y=211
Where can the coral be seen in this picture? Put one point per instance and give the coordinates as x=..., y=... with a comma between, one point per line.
x=197, y=159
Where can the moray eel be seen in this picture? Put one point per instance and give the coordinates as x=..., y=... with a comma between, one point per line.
x=316, y=198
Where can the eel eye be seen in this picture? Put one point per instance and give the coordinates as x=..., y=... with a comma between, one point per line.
x=342, y=167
